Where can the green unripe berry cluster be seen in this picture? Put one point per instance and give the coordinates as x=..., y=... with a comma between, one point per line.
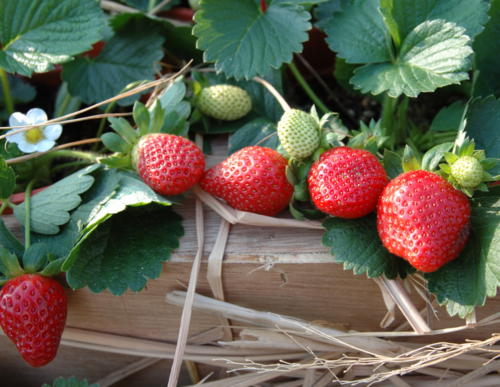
x=299, y=133
x=467, y=171
x=225, y=102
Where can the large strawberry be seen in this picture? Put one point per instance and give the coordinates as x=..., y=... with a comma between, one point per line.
x=168, y=163
x=252, y=179
x=423, y=219
x=347, y=182
x=33, y=313
x=225, y=102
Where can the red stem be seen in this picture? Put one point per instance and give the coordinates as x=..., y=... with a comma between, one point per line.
x=263, y=5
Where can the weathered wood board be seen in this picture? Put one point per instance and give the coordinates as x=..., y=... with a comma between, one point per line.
x=281, y=270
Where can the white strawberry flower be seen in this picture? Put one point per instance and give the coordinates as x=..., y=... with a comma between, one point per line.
x=37, y=139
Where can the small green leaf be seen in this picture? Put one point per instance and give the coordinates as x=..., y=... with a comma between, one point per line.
x=158, y=117
x=433, y=156
x=393, y=164
x=488, y=163
x=435, y=54
x=53, y=268
x=127, y=57
x=304, y=168
x=9, y=241
x=356, y=244
x=254, y=132
x=301, y=213
x=301, y=192
x=36, y=34
x=314, y=114
x=115, y=143
x=468, y=191
x=450, y=157
x=482, y=187
x=410, y=162
x=488, y=177
x=121, y=126
x=117, y=161
x=291, y=176
x=35, y=258
x=141, y=118
x=446, y=168
x=371, y=146
x=449, y=118
x=72, y=382
x=466, y=148
x=324, y=12
x=7, y=179
x=117, y=256
x=245, y=42
x=9, y=264
x=50, y=208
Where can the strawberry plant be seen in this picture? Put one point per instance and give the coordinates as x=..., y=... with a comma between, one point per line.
x=404, y=187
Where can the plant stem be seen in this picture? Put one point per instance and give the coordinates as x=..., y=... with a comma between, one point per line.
x=307, y=89
x=71, y=164
x=6, y=91
x=3, y=207
x=64, y=105
x=152, y=4
x=101, y=125
x=27, y=219
x=389, y=120
x=69, y=153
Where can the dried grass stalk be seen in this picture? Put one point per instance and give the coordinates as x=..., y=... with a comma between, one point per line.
x=234, y=216
x=186, y=312
x=214, y=272
x=404, y=304
x=126, y=371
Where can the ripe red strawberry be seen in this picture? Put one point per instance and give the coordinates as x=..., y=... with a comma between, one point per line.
x=347, y=182
x=423, y=219
x=167, y=163
x=33, y=314
x=252, y=179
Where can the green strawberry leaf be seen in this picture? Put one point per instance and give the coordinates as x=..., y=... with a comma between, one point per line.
x=483, y=126
x=10, y=242
x=404, y=16
x=359, y=34
x=127, y=57
x=53, y=268
x=20, y=91
x=117, y=256
x=449, y=118
x=410, y=162
x=9, y=264
x=433, y=156
x=244, y=42
x=35, y=257
x=344, y=72
x=323, y=13
x=115, y=143
x=7, y=179
x=465, y=282
x=71, y=382
x=434, y=54
x=393, y=164
x=356, y=244
x=486, y=48
x=50, y=208
x=36, y=34
x=254, y=132
x=132, y=192
x=105, y=186
x=143, y=5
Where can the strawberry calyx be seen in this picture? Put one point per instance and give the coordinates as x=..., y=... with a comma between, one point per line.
x=370, y=137
x=466, y=168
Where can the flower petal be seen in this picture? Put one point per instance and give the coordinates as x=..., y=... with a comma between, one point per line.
x=18, y=119
x=52, y=132
x=17, y=138
x=45, y=145
x=26, y=147
x=36, y=116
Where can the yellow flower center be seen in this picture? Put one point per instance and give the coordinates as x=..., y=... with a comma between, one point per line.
x=34, y=136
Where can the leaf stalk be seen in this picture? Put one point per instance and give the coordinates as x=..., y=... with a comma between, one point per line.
x=6, y=91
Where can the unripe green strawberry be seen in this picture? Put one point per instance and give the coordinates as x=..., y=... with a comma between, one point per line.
x=467, y=171
x=299, y=133
x=225, y=102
